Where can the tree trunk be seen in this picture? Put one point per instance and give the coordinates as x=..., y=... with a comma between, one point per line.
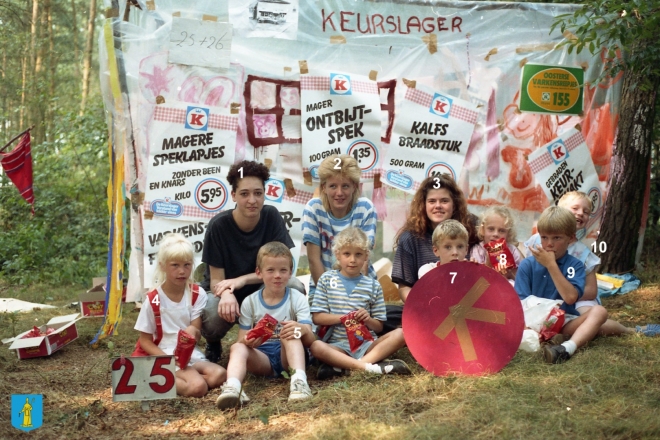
x=625, y=202
x=25, y=67
x=87, y=61
x=29, y=78
x=52, y=64
x=76, y=47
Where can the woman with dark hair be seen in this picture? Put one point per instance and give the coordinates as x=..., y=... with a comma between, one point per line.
x=233, y=239
x=437, y=199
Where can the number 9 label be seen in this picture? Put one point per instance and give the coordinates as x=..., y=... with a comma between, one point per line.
x=143, y=378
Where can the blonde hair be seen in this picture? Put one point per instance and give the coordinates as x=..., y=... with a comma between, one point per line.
x=173, y=247
x=508, y=222
x=451, y=229
x=347, y=167
x=350, y=236
x=565, y=200
x=273, y=249
x=557, y=220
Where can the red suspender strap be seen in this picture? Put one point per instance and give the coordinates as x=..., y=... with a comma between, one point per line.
x=156, y=308
x=195, y=293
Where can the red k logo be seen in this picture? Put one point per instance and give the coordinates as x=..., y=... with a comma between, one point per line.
x=558, y=151
x=340, y=84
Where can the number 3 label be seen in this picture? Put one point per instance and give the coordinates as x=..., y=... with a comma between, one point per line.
x=143, y=378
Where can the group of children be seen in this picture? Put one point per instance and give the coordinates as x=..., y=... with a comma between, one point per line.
x=558, y=267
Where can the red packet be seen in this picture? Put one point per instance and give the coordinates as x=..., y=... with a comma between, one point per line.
x=264, y=328
x=356, y=331
x=36, y=332
x=498, y=252
x=185, y=345
x=552, y=324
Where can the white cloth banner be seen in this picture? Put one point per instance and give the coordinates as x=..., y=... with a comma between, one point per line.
x=432, y=132
x=565, y=165
x=340, y=115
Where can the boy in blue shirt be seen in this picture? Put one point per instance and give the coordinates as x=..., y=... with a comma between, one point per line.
x=551, y=272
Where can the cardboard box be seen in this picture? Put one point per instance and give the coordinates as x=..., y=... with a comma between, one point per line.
x=65, y=332
x=92, y=302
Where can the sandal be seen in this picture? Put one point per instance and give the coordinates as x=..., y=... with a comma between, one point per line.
x=650, y=330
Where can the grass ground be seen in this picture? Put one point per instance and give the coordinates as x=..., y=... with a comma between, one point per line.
x=610, y=389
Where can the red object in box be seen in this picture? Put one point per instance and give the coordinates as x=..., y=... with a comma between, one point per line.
x=65, y=331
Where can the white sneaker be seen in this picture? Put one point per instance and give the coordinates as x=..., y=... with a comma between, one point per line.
x=230, y=397
x=299, y=391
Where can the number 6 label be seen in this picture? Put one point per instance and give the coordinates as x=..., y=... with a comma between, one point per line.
x=143, y=378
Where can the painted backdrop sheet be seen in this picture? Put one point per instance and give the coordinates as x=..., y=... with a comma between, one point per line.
x=470, y=51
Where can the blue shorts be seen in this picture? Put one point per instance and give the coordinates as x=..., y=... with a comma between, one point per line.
x=357, y=354
x=273, y=350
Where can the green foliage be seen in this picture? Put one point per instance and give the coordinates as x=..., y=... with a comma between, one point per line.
x=617, y=25
x=66, y=240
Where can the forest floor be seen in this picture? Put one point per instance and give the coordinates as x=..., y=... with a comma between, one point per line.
x=610, y=389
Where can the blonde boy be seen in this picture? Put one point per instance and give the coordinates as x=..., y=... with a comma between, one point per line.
x=551, y=272
x=450, y=243
x=285, y=349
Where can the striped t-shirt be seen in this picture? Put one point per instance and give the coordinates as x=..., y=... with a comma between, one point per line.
x=320, y=228
x=331, y=297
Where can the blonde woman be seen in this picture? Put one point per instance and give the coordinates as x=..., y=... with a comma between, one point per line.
x=338, y=207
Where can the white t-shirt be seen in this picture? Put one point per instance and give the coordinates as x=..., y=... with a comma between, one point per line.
x=174, y=317
x=426, y=268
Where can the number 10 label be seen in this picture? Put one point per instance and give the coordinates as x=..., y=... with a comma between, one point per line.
x=143, y=378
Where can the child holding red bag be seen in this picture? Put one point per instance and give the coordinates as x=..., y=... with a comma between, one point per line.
x=497, y=224
x=178, y=303
x=340, y=292
x=274, y=328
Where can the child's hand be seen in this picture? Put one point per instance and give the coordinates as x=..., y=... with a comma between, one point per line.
x=501, y=268
x=543, y=257
x=292, y=330
x=361, y=315
x=253, y=343
x=194, y=332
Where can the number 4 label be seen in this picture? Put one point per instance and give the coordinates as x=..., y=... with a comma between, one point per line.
x=143, y=378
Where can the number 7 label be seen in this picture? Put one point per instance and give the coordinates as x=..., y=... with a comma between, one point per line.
x=143, y=378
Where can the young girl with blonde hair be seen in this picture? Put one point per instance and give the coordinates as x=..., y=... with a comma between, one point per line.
x=176, y=303
x=496, y=223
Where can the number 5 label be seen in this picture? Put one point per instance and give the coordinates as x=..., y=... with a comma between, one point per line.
x=143, y=378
